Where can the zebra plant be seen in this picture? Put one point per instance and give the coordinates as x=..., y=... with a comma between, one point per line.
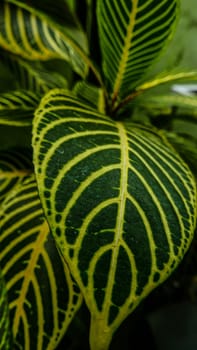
x=105, y=210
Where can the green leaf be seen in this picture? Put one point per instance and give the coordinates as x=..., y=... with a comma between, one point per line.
x=120, y=202
x=171, y=100
x=30, y=34
x=43, y=298
x=61, y=15
x=32, y=76
x=15, y=166
x=91, y=95
x=186, y=146
x=5, y=333
x=17, y=107
x=132, y=35
x=168, y=79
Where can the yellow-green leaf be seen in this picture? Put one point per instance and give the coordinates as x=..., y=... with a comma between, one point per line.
x=43, y=297
x=90, y=94
x=120, y=201
x=15, y=166
x=17, y=107
x=32, y=76
x=5, y=332
x=28, y=33
x=132, y=34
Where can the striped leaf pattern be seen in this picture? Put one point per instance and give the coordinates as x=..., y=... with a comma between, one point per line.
x=17, y=107
x=31, y=35
x=32, y=76
x=43, y=297
x=132, y=34
x=91, y=94
x=120, y=202
x=15, y=166
x=5, y=333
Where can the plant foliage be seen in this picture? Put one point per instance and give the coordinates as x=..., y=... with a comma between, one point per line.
x=105, y=209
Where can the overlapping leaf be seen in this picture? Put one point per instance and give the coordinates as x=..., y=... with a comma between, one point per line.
x=15, y=166
x=62, y=16
x=184, y=104
x=32, y=76
x=17, y=107
x=43, y=298
x=5, y=332
x=132, y=34
x=27, y=32
x=120, y=201
x=91, y=94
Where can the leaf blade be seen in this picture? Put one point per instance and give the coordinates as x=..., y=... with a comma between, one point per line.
x=32, y=265
x=117, y=249
x=5, y=332
x=31, y=76
x=17, y=107
x=29, y=34
x=132, y=35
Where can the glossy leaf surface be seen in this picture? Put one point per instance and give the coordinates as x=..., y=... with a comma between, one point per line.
x=43, y=298
x=120, y=202
x=132, y=34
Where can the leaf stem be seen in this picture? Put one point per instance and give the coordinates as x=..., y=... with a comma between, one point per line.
x=125, y=101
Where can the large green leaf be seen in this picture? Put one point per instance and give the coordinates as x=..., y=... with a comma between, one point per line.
x=15, y=166
x=32, y=35
x=43, y=297
x=120, y=202
x=5, y=332
x=17, y=107
x=132, y=34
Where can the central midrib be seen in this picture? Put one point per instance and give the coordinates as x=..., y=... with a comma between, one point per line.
x=125, y=52
x=124, y=166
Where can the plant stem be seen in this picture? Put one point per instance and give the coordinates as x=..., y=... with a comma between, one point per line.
x=100, y=336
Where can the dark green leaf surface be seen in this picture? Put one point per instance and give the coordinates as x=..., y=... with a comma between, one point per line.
x=15, y=165
x=33, y=36
x=60, y=14
x=32, y=76
x=17, y=107
x=5, y=333
x=43, y=298
x=91, y=94
x=120, y=202
x=132, y=34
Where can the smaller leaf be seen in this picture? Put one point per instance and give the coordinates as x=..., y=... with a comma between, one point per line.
x=32, y=76
x=5, y=332
x=17, y=107
x=28, y=33
x=15, y=165
x=61, y=15
x=91, y=95
x=166, y=79
x=43, y=297
x=132, y=35
x=170, y=100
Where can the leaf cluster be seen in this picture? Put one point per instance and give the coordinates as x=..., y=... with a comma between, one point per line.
x=97, y=179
